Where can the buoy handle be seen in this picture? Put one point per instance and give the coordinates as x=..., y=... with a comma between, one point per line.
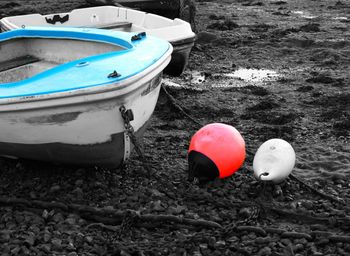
x=263, y=174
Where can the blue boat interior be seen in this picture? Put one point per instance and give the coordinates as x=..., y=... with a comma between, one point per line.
x=41, y=60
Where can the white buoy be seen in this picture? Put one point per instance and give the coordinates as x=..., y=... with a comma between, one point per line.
x=274, y=160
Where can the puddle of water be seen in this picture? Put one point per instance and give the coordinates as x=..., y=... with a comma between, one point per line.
x=239, y=78
x=244, y=77
x=253, y=75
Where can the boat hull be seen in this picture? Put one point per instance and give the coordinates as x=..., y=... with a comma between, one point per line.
x=85, y=133
x=179, y=57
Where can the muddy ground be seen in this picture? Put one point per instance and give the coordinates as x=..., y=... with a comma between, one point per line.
x=308, y=44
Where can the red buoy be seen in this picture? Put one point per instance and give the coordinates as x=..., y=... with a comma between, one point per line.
x=216, y=151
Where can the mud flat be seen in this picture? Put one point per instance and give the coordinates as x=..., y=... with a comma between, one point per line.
x=307, y=44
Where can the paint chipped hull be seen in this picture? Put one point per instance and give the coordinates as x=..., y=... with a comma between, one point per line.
x=109, y=154
x=87, y=132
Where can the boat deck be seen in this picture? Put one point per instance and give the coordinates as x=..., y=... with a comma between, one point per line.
x=23, y=68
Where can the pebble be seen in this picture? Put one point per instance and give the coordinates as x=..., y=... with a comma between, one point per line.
x=70, y=221
x=211, y=242
x=30, y=239
x=322, y=241
x=256, y=230
x=157, y=193
x=47, y=237
x=78, y=183
x=265, y=251
x=203, y=246
x=32, y=195
x=157, y=206
x=263, y=240
x=98, y=184
x=298, y=247
x=220, y=244
x=318, y=227
x=55, y=188
x=35, y=229
x=56, y=242
x=233, y=239
x=58, y=217
x=89, y=239
x=78, y=192
x=45, y=247
x=15, y=250
x=5, y=235
x=24, y=251
x=286, y=241
x=177, y=210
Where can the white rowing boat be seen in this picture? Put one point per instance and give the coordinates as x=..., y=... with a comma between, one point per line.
x=63, y=92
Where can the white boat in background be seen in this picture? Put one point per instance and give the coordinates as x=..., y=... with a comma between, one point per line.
x=177, y=31
x=63, y=92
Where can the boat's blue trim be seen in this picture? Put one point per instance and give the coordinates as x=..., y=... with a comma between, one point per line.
x=137, y=57
x=92, y=34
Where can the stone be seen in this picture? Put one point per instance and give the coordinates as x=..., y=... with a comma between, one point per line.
x=78, y=183
x=58, y=217
x=15, y=250
x=30, y=239
x=57, y=243
x=157, y=206
x=45, y=248
x=177, y=210
x=47, y=237
x=70, y=221
x=55, y=189
x=78, y=192
x=89, y=239
x=265, y=251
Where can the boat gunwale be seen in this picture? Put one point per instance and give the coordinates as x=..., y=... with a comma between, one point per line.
x=188, y=35
x=94, y=93
x=72, y=33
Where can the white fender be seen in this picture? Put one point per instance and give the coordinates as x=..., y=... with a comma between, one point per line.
x=276, y=158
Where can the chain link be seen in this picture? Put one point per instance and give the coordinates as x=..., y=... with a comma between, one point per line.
x=131, y=133
x=127, y=224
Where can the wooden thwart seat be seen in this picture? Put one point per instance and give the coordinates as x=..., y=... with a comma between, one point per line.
x=17, y=62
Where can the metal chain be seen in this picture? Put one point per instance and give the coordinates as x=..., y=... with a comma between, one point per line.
x=127, y=224
x=131, y=133
x=179, y=108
